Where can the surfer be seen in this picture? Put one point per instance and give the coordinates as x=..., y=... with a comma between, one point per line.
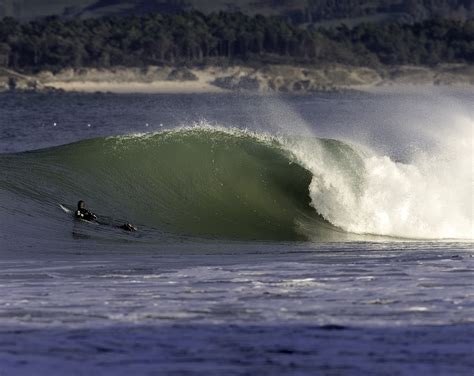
x=83, y=213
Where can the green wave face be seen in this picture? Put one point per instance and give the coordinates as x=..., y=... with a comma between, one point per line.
x=197, y=182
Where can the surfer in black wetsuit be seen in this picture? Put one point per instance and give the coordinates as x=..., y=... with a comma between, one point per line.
x=83, y=213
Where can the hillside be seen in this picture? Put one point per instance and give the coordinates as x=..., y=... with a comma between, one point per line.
x=298, y=11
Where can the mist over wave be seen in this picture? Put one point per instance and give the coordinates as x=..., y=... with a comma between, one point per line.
x=415, y=173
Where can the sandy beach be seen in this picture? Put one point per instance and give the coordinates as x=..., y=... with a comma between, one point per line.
x=214, y=79
x=137, y=87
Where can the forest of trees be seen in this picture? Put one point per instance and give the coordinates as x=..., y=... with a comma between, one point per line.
x=192, y=38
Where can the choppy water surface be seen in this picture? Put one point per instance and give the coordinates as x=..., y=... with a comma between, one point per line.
x=301, y=235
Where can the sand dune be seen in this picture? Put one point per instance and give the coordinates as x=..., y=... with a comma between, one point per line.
x=266, y=79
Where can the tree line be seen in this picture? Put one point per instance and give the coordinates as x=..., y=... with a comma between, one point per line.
x=192, y=38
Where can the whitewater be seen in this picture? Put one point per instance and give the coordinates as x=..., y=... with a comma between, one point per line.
x=323, y=234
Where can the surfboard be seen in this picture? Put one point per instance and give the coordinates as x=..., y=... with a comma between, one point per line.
x=65, y=209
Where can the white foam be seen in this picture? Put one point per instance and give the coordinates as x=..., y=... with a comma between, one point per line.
x=430, y=197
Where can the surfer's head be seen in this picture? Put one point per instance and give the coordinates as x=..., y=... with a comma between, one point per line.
x=81, y=205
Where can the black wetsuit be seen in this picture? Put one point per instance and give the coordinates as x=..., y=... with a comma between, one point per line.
x=85, y=214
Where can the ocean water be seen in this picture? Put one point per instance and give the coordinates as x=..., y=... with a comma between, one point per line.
x=321, y=235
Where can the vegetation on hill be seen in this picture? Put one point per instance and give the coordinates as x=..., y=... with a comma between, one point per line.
x=298, y=11
x=193, y=38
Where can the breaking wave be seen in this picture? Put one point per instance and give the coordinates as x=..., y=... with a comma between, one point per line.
x=226, y=183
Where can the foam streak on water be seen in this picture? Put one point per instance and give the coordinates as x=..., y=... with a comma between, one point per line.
x=222, y=312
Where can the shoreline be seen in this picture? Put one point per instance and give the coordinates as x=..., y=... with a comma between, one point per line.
x=267, y=79
x=134, y=87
